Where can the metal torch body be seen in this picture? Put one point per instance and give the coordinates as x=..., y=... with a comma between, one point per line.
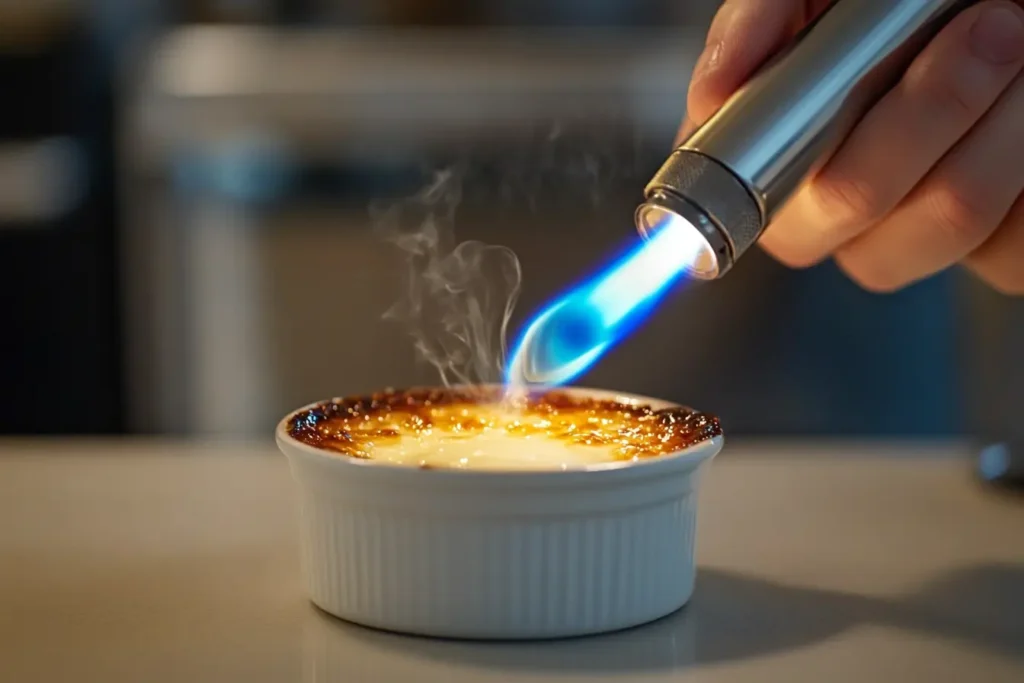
x=734, y=173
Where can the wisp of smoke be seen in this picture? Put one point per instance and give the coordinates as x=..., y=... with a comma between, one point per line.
x=458, y=298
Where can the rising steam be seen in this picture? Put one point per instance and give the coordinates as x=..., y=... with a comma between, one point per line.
x=458, y=298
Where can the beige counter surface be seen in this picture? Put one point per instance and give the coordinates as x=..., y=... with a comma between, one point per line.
x=139, y=561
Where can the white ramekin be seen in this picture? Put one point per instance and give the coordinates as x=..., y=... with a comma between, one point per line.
x=495, y=555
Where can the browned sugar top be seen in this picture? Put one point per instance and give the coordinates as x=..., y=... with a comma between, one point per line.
x=353, y=425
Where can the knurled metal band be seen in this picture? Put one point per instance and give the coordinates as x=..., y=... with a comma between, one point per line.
x=716, y=191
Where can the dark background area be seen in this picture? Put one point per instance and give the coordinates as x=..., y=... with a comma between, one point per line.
x=185, y=242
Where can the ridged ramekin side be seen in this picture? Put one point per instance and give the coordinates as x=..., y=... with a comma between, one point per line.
x=498, y=577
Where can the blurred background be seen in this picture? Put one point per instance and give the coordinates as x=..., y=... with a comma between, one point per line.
x=186, y=242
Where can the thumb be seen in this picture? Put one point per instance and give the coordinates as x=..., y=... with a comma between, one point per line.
x=743, y=35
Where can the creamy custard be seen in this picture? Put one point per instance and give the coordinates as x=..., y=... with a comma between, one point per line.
x=491, y=450
x=480, y=429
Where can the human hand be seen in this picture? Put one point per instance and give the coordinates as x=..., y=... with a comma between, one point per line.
x=932, y=176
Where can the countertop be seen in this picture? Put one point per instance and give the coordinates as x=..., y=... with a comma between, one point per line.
x=151, y=561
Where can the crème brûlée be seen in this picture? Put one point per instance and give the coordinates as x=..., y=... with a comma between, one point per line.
x=480, y=428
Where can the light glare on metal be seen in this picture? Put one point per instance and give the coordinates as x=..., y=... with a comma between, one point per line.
x=703, y=262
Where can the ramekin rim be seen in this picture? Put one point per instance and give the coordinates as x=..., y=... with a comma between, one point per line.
x=692, y=455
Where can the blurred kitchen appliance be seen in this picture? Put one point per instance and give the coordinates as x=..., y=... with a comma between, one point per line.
x=60, y=370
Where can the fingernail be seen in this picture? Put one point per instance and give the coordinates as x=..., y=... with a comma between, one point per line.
x=998, y=35
x=708, y=59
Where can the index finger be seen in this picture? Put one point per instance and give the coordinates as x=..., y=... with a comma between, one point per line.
x=743, y=35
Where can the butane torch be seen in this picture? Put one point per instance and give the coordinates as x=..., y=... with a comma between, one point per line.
x=720, y=189
x=733, y=174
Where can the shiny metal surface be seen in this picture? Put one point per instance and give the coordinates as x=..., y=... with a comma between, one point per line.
x=791, y=117
x=668, y=209
x=133, y=561
x=787, y=120
x=711, y=198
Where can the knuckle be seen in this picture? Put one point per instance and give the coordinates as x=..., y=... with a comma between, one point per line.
x=959, y=212
x=944, y=89
x=870, y=275
x=784, y=241
x=849, y=200
x=875, y=282
x=791, y=257
x=1007, y=282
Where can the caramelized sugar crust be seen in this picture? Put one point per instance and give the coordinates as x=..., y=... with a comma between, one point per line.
x=353, y=425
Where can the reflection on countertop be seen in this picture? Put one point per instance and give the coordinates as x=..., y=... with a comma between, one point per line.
x=163, y=561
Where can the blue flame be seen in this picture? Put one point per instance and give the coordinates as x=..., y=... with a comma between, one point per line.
x=574, y=331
